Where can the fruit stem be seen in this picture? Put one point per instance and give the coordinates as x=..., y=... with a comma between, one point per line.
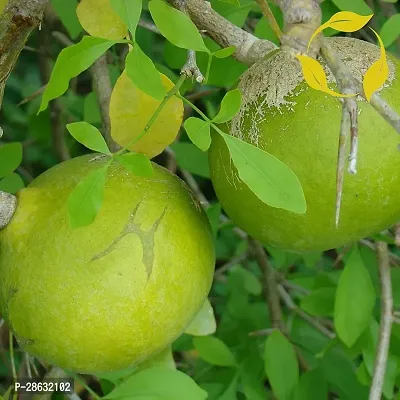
x=8, y=205
x=170, y=94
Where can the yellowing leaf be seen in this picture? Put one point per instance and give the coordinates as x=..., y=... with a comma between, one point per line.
x=315, y=76
x=377, y=73
x=130, y=111
x=345, y=21
x=99, y=19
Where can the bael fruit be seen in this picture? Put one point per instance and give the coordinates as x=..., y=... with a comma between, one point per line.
x=116, y=292
x=300, y=126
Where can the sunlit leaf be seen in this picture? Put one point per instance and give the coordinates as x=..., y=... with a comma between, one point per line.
x=12, y=183
x=85, y=200
x=204, y=322
x=144, y=74
x=71, y=62
x=198, y=131
x=130, y=112
x=10, y=158
x=352, y=317
x=176, y=26
x=129, y=11
x=100, y=20
x=377, y=73
x=226, y=52
x=138, y=164
x=315, y=76
x=230, y=106
x=345, y=21
x=270, y=179
x=214, y=351
x=89, y=136
x=281, y=365
x=158, y=383
x=356, y=6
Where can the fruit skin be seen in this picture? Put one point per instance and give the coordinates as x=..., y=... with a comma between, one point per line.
x=83, y=299
x=306, y=139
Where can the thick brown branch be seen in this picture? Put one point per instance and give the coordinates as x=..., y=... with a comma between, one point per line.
x=19, y=19
x=249, y=48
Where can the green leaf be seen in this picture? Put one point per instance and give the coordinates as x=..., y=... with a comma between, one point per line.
x=281, y=365
x=71, y=62
x=143, y=73
x=10, y=158
x=204, y=322
x=230, y=106
x=214, y=351
x=129, y=11
x=390, y=30
x=66, y=11
x=352, y=317
x=230, y=392
x=136, y=163
x=270, y=179
x=250, y=281
x=213, y=213
x=356, y=6
x=159, y=383
x=320, y=302
x=176, y=26
x=89, y=136
x=312, y=386
x=85, y=200
x=163, y=359
x=223, y=53
x=91, y=109
x=198, y=131
x=191, y=158
x=11, y=183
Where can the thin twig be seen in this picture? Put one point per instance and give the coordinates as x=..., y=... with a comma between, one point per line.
x=227, y=266
x=103, y=89
x=284, y=295
x=270, y=285
x=382, y=351
x=190, y=69
x=394, y=258
x=149, y=26
x=268, y=14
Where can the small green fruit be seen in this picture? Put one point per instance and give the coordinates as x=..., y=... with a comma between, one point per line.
x=300, y=126
x=109, y=295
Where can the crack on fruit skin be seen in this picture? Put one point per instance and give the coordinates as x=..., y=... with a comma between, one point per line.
x=146, y=239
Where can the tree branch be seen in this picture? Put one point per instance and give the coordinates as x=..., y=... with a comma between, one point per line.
x=386, y=322
x=103, y=89
x=249, y=48
x=19, y=19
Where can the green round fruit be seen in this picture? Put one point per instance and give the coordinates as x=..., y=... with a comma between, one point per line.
x=109, y=295
x=300, y=126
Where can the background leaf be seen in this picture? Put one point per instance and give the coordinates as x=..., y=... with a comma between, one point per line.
x=66, y=11
x=214, y=351
x=10, y=158
x=281, y=365
x=204, y=322
x=352, y=318
x=11, y=183
x=390, y=30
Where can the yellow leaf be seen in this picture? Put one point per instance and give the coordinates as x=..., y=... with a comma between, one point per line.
x=315, y=76
x=344, y=21
x=377, y=73
x=131, y=110
x=100, y=20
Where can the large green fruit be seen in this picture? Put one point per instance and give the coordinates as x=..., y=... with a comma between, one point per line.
x=300, y=126
x=111, y=294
